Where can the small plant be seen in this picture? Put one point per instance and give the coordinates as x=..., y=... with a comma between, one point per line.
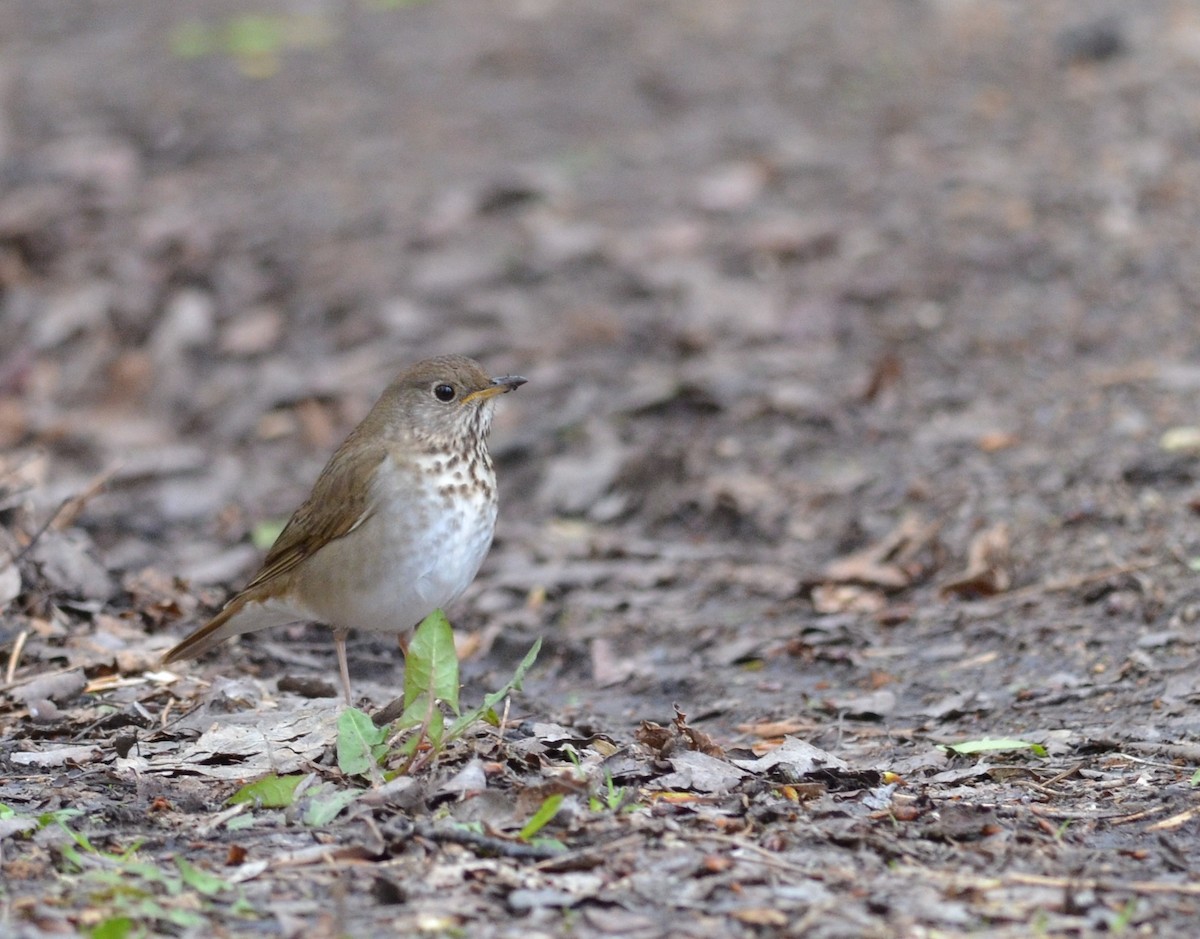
x=540, y=819
x=611, y=798
x=432, y=717
x=126, y=895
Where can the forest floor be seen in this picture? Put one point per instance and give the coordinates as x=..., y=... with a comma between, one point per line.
x=853, y=494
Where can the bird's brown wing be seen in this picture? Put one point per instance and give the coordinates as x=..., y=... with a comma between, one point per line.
x=342, y=499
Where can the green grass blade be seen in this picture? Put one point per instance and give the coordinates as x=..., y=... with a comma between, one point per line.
x=546, y=811
x=489, y=702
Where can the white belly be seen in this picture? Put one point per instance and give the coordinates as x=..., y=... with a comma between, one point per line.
x=407, y=560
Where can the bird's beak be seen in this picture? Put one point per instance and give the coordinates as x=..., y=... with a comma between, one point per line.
x=499, y=386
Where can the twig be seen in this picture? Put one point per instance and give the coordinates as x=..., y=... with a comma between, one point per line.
x=1096, y=883
x=1077, y=580
x=15, y=656
x=503, y=723
x=485, y=845
x=1069, y=771
x=1154, y=887
x=1143, y=761
x=764, y=857
x=68, y=510
x=565, y=859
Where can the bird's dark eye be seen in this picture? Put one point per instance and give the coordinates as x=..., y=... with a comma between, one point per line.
x=444, y=393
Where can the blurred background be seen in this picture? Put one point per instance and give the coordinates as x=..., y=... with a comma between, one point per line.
x=779, y=274
x=862, y=341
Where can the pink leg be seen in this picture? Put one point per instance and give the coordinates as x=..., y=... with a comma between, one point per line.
x=339, y=639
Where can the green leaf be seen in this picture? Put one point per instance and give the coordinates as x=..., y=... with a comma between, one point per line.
x=414, y=716
x=989, y=744
x=435, y=731
x=147, y=871
x=58, y=817
x=188, y=919
x=272, y=792
x=1195, y=780
x=239, y=822
x=72, y=856
x=542, y=816
x=326, y=803
x=431, y=664
x=199, y=880
x=358, y=742
x=489, y=703
x=118, y=927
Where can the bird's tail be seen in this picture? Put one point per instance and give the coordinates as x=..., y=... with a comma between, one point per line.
x=243, y=614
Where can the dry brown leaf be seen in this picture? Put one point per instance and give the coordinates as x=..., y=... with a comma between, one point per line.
x=775, y=728
x=847, y=598
x=699, y=772
x=989, y=569
x=666, y=740
x=761, y=916
x=697, y=739
x=803, y=757
x=997, y=440
x=654, y=736
x=901, y=558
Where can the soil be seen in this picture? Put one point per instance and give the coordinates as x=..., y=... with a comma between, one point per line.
x=861, y=425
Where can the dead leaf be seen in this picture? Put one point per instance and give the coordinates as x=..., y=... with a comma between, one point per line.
x=248, y=750
x=989, y=566
x=697, y=739
x=56, y=756
x=654, y=736
x=871, y=706
x=700, y=773
x=801, y=757
x=665, y=740
x=996, y=440
x=58, y=686
x=847, y=598
x=761, y=916
x=471, y=778
x=775, y=728
x=608, y=668
x=905, y=556
x=67, y=563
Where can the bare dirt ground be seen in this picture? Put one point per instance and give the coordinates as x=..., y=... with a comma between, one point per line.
x=862, y=342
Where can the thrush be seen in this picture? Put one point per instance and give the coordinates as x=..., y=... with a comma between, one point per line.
x=396, y=525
